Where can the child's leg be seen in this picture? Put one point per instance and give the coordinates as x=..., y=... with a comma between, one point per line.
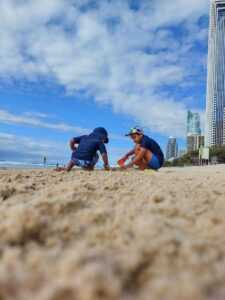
x=72, y=163
x=70, y=166
x=91, y=165
x=143, y=164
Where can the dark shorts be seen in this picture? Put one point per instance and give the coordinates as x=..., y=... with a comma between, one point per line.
x=154, y=163
x=84, y=163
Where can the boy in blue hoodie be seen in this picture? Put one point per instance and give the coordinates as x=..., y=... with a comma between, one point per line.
x=85, y=150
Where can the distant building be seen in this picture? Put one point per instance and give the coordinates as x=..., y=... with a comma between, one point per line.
x=172, y=148
x=215, y=104
x=181, y=153
x=194, y=138
x=195, y=142
x=193, y=123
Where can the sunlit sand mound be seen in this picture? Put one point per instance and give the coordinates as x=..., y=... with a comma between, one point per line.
x=113, y=235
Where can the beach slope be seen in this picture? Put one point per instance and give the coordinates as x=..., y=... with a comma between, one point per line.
x=112, y=235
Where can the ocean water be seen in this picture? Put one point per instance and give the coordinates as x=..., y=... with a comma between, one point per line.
x=34, y=165
x=26, y=165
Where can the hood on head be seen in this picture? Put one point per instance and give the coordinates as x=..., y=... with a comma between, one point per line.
x=101, y=133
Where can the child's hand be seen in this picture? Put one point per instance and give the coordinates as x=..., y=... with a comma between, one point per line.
x=121, y=163
x=124, y=167
x=107, y=167
x=127, y=166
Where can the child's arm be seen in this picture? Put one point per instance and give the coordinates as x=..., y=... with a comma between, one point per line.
x=122, y=161
x=73, y=145
x=130, y=153
x=105, y=161
x=104, y=155
x=137, y=158
x=75, y=141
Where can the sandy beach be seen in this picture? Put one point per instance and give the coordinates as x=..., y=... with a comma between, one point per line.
x=113, y=235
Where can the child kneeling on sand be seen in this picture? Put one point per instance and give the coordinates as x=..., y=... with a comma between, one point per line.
x=85, y=155
x=147, y=153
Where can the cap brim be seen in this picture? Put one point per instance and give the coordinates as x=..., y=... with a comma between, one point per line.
x=131, y=133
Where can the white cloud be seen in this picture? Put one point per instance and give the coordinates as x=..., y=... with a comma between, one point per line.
x=27, y=149
x=172, y=12
x=103, y=51
x=37, y=114
x=15, y=147
x=36, y=120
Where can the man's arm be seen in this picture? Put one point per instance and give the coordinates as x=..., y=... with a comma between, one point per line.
x=138, y=158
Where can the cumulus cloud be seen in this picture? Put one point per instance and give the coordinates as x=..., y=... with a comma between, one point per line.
x=126, y=57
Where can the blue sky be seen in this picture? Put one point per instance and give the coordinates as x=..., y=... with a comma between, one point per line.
x=68, y=66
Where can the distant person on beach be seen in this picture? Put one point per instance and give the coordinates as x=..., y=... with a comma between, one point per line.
x=147, y=153
x=85, y=150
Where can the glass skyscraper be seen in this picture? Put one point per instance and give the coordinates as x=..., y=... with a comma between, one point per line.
x=215, y=108
x=193, y=123
x=194, y=138
x=172, y=148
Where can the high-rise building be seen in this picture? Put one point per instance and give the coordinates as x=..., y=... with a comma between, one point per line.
x=172, y=148
x=193, y=123
x=181, y=152
x=194, y=138
x=215, y=120
x=195, y=142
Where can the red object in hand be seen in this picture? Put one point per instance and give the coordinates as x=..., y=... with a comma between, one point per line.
x=121, y=162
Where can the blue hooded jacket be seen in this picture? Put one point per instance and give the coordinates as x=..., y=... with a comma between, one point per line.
x=89, y=145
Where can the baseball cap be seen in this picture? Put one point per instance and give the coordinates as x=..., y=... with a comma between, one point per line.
x=135, y=130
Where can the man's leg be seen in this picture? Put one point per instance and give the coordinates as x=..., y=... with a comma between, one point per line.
x=143, y=164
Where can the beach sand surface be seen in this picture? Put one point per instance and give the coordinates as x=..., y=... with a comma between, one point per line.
x=113, y=235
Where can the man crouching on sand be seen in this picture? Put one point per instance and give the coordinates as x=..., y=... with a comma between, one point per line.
x=147, y=153
x=85, y=150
